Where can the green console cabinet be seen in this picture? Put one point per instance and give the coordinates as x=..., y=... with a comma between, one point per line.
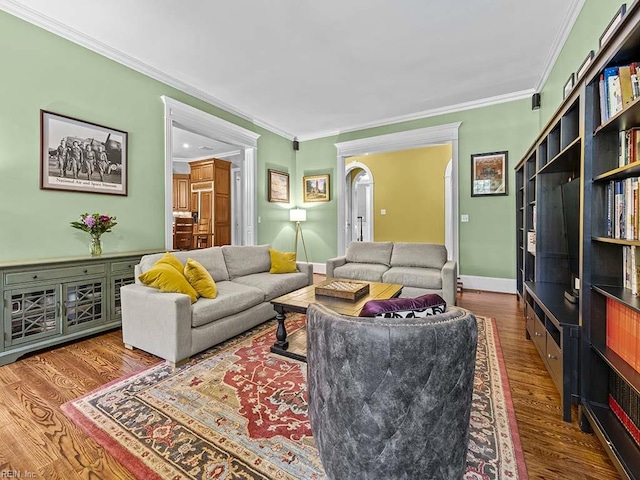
x=51, y=301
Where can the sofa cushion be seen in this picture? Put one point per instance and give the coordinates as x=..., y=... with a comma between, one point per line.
x=274, y=286
x=369, y=252
x=416, y=277
x=426, y=255
x=245, y=260
x=282, y=262
x=232, y=298
x=210, y=258
x=200, y=279
x=423, y=306
x=361, y=271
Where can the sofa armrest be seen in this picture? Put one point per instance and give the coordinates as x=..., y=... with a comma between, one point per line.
x=333, y=263
x=156, y=322
x=449, y=282
x=308, y=269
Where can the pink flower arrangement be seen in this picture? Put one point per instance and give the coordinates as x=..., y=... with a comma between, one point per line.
x=96, y=224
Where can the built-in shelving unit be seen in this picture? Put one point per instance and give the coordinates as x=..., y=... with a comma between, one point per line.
x=577, y=146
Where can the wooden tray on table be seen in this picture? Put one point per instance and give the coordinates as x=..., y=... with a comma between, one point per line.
x=345, y=289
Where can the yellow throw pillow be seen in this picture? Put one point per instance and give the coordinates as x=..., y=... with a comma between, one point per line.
x=170, y=259
x=282, y=262
x=200, y=279
x=166, y=278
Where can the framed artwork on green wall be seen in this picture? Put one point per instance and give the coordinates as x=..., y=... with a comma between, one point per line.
x=489, y=174
x=315, y=188
x=278, y=186
x=81, y=156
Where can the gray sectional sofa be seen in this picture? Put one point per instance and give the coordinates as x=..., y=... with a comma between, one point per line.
x=421, y=267
x=169, y=326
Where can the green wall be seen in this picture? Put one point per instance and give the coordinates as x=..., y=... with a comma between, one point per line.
x=44, y=71
x=487, y=242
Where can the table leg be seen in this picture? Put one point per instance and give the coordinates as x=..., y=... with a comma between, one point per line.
x=281, y=332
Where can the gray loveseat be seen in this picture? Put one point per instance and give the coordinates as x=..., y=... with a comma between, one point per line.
x=169, y=326
x=421, y=267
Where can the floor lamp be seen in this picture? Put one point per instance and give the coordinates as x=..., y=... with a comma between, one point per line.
x=299, y=215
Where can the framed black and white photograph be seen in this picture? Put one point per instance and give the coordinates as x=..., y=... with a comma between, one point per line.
x=569, y=86
x=80, y=156
x=489, y=174
x=584, y=65
x=613, y=24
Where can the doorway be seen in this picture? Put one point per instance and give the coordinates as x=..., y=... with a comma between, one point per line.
x=422, y=137
x=359, y=194
x=245, y=145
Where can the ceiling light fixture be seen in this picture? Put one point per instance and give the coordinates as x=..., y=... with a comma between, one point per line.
x=185, y=145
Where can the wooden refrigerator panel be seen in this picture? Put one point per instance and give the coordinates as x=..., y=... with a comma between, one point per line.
x=222, y=203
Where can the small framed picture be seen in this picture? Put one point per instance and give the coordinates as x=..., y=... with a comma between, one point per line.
x=584, y=65
x=569, y=86
x=81, y=156
x=278, y=186
x=613, y=24
x=489, y=174
x=316, y=188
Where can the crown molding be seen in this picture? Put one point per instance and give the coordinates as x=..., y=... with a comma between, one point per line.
x=47, y=23
x=558, y=43
x=484, y=102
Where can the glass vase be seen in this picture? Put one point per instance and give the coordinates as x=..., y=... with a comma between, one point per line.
x=95, y=248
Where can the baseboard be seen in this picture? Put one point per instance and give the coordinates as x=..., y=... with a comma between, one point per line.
x=320, y=268
x=489, y=284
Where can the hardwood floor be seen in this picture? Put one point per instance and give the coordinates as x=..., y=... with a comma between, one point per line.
x=40, y=441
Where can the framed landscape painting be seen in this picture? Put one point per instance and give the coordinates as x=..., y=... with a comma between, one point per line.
x=278, y=186
x=81, y=156
x=315, y=188
x=489, y=174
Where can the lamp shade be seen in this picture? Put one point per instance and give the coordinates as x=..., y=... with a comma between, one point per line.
x=298, y=215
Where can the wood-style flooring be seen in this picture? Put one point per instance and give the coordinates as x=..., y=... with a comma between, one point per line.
x=39, y=441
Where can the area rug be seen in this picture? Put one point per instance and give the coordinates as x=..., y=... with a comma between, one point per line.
x=238, y=411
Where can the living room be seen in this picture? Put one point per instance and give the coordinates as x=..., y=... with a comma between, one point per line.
x=55, y=71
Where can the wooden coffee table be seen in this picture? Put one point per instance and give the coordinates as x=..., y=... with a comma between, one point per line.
x=295, y=346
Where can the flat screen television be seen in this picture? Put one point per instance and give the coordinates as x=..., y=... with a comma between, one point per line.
x=571, y=213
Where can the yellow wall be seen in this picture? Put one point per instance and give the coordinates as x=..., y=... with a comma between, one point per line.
x=409, y=185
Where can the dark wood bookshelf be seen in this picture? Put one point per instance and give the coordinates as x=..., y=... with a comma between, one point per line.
x=576, y=145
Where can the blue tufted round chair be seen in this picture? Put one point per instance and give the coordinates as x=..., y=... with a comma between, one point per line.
x=390, y=398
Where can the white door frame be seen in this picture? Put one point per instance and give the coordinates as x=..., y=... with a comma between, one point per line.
x=393, y=142
x=185, y=116
x=348, y=191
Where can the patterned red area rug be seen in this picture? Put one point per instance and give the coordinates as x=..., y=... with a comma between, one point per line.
x=238, y=411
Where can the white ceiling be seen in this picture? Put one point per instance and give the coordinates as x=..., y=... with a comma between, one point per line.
x=188, y=146
x=308, y=69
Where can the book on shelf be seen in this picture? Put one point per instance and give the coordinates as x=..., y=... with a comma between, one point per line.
x=629, y=146
x=624, y=402
x=618, y=87
x=623, y=332
x=531, y=241
x=534, y=217
x=622, y=209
